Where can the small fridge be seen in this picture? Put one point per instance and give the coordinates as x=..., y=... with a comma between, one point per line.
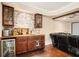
x=8, y=47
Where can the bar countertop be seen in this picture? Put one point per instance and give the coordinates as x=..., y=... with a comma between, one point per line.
x=7, y=37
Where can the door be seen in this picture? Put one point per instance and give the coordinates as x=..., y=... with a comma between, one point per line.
x=8, y=47
x=21, y=45
x=39, y=42
x=75, y=28
x=8, y=15
x=35, y=42
x=31, y=43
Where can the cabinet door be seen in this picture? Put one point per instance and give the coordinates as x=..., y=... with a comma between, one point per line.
x=31, y=43
x=21, y=45
x=35, y=42
x=42, y=41
x=38, y=21
x=8, y=47
x=39, y=42
x=5, y=15
x=8, y=15
x=11, y=16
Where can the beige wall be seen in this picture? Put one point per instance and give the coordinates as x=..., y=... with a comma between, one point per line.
x=49, y=26
x=0, y=19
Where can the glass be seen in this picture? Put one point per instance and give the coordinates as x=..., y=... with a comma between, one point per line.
x=8, y=47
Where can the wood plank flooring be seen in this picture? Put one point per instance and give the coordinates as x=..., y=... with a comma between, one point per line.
x=49, y=51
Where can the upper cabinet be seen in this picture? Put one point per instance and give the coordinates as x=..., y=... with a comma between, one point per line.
x=8, y=15
x=38, y=21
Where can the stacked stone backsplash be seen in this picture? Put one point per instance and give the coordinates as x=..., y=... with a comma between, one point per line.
x=22, y=19
x=25, y=20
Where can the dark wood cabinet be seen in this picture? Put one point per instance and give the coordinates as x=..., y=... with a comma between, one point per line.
x=42, y=41
x=8, y=15
x=38, y=21
x=36, y=42
x=21, y=45
x=29, y=43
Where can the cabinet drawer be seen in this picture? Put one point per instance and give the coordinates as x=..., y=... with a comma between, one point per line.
x=21, y=39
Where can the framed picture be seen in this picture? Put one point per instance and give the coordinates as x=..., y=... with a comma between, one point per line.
x=38, y=21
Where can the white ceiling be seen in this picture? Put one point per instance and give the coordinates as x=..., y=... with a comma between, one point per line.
x=70, y=18
x=50, y=6
x=51, y=9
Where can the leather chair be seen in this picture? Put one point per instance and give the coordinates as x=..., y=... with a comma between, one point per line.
x=66, y=42
x=63, y=42
x=73, y=40
x=54, y=40
x=74, y=44
x=60, y=41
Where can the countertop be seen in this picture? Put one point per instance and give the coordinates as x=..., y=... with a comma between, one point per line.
x=7, y=37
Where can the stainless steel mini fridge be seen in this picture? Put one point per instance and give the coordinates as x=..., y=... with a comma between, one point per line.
x=8, y=47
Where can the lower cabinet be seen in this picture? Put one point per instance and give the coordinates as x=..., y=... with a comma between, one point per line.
x=29, y=43
x=21, y=45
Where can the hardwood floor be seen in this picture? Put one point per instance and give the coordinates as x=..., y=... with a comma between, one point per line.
x=49, y=51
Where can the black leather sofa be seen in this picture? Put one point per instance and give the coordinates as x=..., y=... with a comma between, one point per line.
x=74, y=44
x=66, y=42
